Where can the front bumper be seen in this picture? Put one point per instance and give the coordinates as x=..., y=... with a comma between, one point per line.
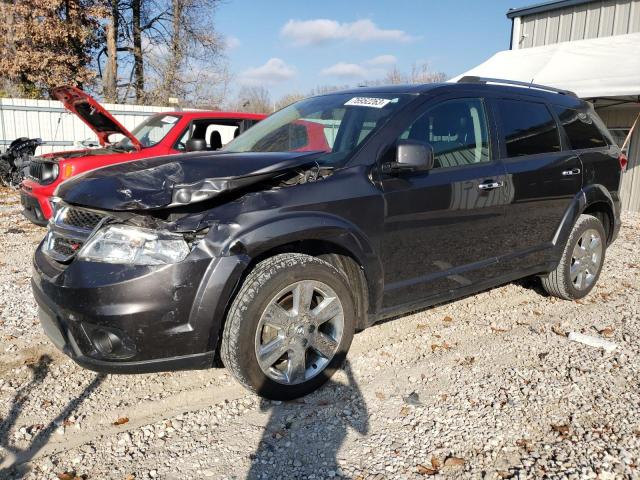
x=32, y=209
x=165, y=318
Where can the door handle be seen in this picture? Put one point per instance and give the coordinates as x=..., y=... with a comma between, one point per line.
x=569, y=173
x=490, y=185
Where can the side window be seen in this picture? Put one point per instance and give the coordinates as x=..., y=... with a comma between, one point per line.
x=581, y=128
x=182, y=141
x=528, y=128
x=215, y=134
x=457, y=131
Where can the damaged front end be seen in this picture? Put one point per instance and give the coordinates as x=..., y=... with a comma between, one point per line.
x=120, y=288
x=155, y=219
x=98, y=237
x=14, y=163
x=180, y=195
x=117, y=296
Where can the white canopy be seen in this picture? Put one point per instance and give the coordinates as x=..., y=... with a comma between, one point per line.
x=599, y=67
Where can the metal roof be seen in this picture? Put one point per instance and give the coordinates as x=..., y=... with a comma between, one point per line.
x=545, y=7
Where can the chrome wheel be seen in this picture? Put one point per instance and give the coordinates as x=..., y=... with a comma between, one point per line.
x=299, y=332
x=586, y=259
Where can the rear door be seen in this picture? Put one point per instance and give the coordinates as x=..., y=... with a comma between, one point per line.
x=588, y=137
x=543, y=177
x=444, y=228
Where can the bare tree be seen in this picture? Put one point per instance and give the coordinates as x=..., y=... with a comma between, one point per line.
x=288, y=99
x=176, y=48
x=253, y=99
x=138, y=60
x=110, y=77
x=324, y=89
x=394, y=76
x=420, y=73
x=186, y=49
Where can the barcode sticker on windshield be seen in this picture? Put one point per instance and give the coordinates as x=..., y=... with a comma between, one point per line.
x=367, y=102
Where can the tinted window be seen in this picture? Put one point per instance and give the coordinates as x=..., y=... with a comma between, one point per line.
x=528, y=128
x=581, y=129
x=457, y=131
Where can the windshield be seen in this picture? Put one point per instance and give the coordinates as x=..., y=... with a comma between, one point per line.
x=151, y=131
x=334, y=124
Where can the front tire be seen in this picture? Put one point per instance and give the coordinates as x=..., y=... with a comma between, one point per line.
x=290, y=326
x=581, y=262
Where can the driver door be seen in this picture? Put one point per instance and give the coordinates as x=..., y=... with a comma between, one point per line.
x=444, y=228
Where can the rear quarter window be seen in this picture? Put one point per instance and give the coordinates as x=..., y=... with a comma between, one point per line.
x=528, y=128
x=581, y=129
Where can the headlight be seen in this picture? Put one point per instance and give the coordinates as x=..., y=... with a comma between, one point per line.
x=134, y=246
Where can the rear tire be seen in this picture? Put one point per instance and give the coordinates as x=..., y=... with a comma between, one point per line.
x=581, y=262
x=290, y=326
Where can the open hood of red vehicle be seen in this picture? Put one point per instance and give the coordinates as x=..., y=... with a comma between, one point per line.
x=93, y=114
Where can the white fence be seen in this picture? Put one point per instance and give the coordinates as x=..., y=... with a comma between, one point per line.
x=59, y=129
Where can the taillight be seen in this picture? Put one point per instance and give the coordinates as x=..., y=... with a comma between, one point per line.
x=623, y=161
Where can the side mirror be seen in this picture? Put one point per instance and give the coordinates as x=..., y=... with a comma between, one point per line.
x=196, y=145
x=411, y=155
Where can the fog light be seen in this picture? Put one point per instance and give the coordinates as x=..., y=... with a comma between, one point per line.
x=105, y=342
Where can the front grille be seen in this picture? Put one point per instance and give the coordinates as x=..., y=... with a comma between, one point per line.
x=43, y=172
x=35, y=170
x=84, y=219
x=66, y=247
x=69, y=230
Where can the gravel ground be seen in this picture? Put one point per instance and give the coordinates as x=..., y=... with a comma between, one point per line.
x=487, y=386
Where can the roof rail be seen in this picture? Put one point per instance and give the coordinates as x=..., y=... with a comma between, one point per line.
x=515, y=83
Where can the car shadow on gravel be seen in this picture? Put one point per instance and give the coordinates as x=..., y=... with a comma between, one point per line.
x=15, y=461
x=304, y=436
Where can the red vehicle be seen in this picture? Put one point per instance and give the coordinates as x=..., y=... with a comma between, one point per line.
x=161, y=134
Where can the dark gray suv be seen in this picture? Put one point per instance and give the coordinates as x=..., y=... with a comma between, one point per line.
x=333, y=213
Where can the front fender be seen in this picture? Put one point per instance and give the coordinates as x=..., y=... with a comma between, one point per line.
x=323, y=227
x=234, y=251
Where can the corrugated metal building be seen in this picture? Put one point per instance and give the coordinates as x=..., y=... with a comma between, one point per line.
x=591, y=47
x=577, y=20
x=565, y=21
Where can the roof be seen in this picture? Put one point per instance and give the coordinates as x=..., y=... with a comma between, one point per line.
x=475, y=87
x=598, y=67
x=544, y=7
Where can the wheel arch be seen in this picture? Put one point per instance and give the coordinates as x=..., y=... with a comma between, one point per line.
x=331, y=238
x=342, y=259
x=593, y=200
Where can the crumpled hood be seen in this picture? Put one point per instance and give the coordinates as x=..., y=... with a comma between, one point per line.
x=176, y=179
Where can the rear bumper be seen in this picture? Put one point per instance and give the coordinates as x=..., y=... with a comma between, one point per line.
x=162, y=318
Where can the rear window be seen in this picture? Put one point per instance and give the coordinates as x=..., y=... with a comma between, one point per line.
x=581, y=128
x=528, y=128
